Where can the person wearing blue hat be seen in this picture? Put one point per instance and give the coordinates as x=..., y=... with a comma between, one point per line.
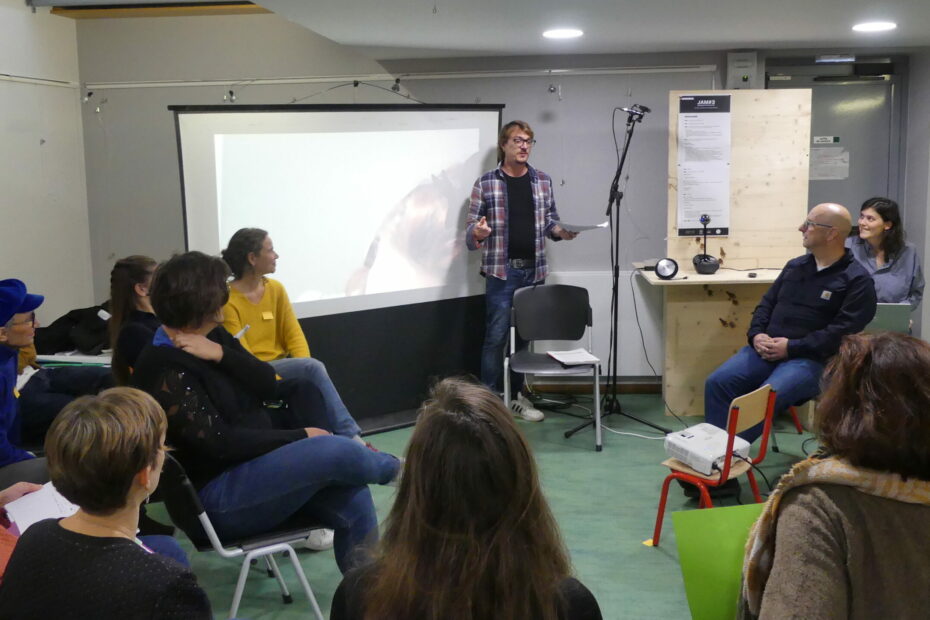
x=17, y=329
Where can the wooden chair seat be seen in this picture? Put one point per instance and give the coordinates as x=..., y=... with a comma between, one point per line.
x=738, y=468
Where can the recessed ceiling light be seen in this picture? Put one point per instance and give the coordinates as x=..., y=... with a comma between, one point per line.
x=563, y=33
x=874, y=26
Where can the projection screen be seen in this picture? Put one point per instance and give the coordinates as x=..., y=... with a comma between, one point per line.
x=365, y=204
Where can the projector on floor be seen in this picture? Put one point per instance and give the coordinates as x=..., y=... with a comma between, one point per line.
x=702, y=446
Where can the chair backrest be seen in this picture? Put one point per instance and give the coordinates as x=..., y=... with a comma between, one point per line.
x=551, y=312
x=181, y=500
x=749, y=410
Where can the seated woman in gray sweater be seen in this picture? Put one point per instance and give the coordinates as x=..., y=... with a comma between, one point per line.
x=847, y=532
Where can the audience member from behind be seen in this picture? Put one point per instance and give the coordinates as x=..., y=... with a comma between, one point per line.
x=881, y=250
x=17, y=330
x=132, y=321
x=260, y=309
x=251, y=473
x=846, y=534
x=470, y=535
x=105, y=454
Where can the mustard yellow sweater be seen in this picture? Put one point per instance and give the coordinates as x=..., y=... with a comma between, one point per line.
x=273, y=331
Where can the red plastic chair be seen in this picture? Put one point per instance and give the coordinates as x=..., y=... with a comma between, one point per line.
x=745, y=412
x=794, y=416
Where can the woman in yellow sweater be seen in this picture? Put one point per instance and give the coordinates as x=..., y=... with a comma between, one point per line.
x=260, y=314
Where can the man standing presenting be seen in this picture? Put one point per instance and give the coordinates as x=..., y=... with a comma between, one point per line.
x=816, y=300
x=511, y=212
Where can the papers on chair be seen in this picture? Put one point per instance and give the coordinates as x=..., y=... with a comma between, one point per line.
x=575, y=357
x=46, y=503
x=577, y=228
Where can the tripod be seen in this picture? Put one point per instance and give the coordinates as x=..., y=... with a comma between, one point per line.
x=612, y=406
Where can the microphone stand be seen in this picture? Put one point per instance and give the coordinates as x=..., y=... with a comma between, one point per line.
x=611, y=401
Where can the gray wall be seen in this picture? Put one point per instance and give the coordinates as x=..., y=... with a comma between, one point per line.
x=43, y=201
x=916, y=201
x=133, y=184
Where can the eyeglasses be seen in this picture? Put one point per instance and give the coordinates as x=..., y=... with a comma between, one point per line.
x=808, y=223
x=521, y=141
x=30, y=321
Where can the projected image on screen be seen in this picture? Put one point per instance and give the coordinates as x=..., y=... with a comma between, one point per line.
x=367, y=225
x=363, y=214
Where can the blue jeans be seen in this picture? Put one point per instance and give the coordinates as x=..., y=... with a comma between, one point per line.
x=166, y=546
x=498, y=301
x=50, y=389
x=794, y=381
x=323, y=478
x=340, y=420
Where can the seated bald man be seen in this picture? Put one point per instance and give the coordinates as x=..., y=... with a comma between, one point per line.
x=817, y=299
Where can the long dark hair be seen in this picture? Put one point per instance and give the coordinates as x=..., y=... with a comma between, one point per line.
x=875, y=407
x=125, y=275
x=470, y=534
x=244, y=241
x=887, y=209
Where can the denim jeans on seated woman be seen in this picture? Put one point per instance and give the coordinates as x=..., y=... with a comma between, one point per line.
x=310, y=369
x=325, y=478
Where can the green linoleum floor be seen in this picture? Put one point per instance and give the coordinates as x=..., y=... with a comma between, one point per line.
x=605, y=504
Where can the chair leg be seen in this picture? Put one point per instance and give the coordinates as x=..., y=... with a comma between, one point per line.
x=268, y=567
x=755, y=486
x=598, y=443
x=794, y=416
x=661, y=512
x=506, y=381
x=306, y=584
x=705, y=497
x=240, y=584
x=285, y=594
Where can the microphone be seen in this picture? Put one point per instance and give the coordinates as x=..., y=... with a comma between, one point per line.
x=636, y=108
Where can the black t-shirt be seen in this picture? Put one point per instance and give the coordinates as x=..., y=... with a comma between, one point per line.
x=521, y=218
x=578, y=602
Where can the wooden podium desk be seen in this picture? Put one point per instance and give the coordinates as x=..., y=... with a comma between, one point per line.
x=706, y=320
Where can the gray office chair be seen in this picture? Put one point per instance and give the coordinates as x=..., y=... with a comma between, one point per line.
x=551, y=312
x=187, y=512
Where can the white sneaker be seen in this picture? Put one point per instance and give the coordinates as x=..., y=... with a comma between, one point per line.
x=320, y=540
x=523, y=408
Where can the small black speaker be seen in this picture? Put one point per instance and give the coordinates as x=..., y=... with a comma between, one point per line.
x=666, y=268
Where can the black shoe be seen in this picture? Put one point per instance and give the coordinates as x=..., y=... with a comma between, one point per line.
x=730, y=488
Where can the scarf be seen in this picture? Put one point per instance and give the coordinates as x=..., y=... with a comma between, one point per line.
x=760, y=548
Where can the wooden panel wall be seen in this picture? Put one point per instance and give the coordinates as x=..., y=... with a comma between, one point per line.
x=770, y=151
x=706, y=323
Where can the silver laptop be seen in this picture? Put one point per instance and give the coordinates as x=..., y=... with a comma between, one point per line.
x=890, y=318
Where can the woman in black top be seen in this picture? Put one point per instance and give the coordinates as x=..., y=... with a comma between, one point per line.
x=252, y=466
x=470, y=535
x=105, y=454
x=132, y=319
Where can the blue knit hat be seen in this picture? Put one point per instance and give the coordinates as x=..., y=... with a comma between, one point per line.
x=14, y=300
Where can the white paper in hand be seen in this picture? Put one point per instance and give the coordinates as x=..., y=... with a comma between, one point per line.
x=46, y=503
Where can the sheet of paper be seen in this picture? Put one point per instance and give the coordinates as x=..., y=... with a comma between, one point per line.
x=47, y=503
x=829, y=163
x=703, y=164
x=576, y=228
x=574, y=357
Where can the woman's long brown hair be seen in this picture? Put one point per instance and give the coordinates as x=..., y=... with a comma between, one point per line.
x=470, y=534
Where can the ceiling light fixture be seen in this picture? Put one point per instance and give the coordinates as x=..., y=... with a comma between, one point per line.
x=874, y=26
x=563, y=33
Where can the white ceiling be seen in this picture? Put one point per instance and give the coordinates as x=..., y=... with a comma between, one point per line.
x=391, y=29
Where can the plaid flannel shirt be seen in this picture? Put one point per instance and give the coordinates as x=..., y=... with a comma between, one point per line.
x=489, y=199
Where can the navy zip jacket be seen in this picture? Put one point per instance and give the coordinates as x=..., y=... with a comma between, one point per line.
x=815, y=309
